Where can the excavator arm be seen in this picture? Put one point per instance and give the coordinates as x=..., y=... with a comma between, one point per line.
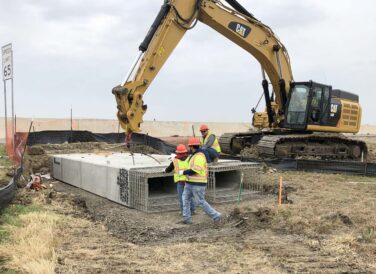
x=170, y=25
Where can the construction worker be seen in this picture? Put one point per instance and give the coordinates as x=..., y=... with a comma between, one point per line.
x=197, y=174
x=180, y=163
x=209, y=143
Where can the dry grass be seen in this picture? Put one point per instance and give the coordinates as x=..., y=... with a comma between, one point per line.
x=341, y=243
x=30, y=248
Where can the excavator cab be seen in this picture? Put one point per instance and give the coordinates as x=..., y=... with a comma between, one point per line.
x=308, y=104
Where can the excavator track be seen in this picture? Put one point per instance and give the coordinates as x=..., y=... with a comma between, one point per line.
x=225, y=141
x=314, y=145
x=322, y=145
x=234, y=143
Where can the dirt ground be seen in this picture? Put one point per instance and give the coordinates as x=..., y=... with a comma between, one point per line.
x=327, y=225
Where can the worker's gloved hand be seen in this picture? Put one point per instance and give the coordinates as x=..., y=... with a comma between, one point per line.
x=172, y=157
x=181, y=172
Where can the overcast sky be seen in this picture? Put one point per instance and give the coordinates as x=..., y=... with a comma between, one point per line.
x=72, y=52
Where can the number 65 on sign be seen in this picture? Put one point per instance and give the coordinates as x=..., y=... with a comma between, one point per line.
x=7, y=69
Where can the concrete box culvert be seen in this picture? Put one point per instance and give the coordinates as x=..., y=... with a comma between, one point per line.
x=139, y=182
x=225, y=180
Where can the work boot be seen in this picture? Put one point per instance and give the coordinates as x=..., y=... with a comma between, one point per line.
x=218, y=219
x=184, y=222
x=218, y=222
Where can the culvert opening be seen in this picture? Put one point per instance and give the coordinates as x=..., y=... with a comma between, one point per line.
x=161, y=187
x=162, y=194
x=227, y=180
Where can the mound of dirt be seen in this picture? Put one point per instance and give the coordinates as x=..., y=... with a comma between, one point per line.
x=249, y=152
x=36, y=158
x=3, y=182
x=6, y=174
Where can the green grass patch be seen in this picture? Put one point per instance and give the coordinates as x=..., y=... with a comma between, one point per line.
x=369, y=234
x=9, y=217
x=4, y=270
x=8, y=271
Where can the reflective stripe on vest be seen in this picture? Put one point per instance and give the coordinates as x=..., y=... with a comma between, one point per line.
x=199, y=165
x=180, y=165
x=215, y=145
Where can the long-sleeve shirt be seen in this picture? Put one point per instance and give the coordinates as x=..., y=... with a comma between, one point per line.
x=171, y=167
x=209, y=142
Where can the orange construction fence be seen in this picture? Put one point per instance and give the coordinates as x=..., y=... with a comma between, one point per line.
x=16, y=150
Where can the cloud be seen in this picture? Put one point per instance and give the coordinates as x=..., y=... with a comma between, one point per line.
x=73, y=52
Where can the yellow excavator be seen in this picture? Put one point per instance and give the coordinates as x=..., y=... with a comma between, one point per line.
x=301, y=118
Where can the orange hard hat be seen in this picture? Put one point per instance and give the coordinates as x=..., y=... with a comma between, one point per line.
x=181, y=149
x=204, y=127
x=193, y=141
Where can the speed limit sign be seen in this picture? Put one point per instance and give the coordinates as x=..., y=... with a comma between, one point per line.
x=7, y=69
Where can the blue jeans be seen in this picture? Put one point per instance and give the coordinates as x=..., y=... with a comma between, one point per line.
x=180, y=189
x=198, y=194
x=212, y=153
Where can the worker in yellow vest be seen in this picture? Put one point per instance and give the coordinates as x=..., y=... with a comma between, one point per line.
x=195, y=187
x=180, y=163
x=209, y=142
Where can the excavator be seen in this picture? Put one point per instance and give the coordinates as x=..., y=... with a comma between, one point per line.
x=301, y=119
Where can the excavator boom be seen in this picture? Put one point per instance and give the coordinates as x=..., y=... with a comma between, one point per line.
x=169, y=27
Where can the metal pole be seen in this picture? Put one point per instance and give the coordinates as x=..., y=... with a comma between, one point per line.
x=5, y=108
x=12, y=90
x=132, y=68
x=71, y=126
x=71, y=119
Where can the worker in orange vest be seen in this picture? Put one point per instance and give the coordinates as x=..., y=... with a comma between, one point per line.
x=209, y=142
x=180, y=163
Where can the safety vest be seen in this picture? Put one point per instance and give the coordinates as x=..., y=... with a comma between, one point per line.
x=199, y=165
x=180, y=165
x=215, y=145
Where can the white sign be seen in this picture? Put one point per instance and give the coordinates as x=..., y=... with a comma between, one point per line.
x=7, y=69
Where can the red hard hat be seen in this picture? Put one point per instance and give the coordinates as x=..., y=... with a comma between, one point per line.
x=181, y=149
x=204, y=127
x=193, y=141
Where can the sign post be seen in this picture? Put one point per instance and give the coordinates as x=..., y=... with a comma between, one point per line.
x=7, y=71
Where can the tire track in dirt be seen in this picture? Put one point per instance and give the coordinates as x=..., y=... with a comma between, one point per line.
x=293, y=255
